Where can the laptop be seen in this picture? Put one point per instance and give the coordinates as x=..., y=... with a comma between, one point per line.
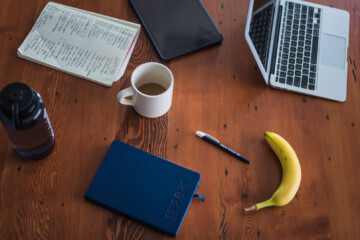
x=300, y=46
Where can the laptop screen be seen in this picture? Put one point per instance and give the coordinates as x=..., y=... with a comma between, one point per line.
x=260, y=28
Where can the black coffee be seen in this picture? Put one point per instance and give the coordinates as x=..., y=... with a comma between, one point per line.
x=151, y=89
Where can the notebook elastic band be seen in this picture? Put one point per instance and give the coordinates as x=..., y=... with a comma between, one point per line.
x=199, y=196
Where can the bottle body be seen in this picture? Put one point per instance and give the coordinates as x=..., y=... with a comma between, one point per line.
x=27, y=124
x=34, y=142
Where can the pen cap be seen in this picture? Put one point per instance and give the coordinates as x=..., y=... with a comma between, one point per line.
x=25, y=120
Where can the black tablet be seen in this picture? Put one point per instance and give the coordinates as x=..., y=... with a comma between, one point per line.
x=177, y=27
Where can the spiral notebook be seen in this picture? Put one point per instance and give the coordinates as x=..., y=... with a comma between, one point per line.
x=143, y=186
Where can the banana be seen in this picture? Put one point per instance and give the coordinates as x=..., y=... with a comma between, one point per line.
x=291, y=173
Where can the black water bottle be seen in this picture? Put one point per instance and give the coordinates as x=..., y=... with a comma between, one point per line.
x=26, y=122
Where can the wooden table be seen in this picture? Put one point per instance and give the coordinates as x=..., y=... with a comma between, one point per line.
x=218, y=90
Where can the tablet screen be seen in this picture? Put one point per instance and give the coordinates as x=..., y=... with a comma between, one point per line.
x=177, y=27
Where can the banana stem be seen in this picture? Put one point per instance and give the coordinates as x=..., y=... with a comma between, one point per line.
x=258, y=206
x=265, y=204
x=250, y=209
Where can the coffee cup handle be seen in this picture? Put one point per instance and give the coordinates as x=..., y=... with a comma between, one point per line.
x=127, y=92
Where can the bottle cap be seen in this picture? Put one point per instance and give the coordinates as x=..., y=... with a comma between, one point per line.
x=17, y=101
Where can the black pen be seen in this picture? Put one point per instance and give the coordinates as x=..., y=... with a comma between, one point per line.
x=217, y=143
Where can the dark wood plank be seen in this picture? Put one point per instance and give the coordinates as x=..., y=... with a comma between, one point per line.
x=218, y=90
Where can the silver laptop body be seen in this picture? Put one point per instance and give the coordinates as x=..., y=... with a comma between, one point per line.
x=300, y=46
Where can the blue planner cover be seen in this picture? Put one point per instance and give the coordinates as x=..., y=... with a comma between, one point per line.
x=143, y=186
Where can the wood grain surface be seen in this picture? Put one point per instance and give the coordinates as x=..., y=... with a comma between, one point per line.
x=218, y=90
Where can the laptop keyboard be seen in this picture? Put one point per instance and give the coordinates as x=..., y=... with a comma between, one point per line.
x=260, y=32
x=298, y=49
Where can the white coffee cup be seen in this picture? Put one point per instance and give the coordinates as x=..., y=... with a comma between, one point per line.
x=151, y=90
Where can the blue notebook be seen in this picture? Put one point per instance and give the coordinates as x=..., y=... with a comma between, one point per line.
x=143, y=186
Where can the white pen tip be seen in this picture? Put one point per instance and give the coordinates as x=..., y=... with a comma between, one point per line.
x=200, y=134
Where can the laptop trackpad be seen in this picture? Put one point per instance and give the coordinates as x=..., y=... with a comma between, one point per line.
x=333, y=51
